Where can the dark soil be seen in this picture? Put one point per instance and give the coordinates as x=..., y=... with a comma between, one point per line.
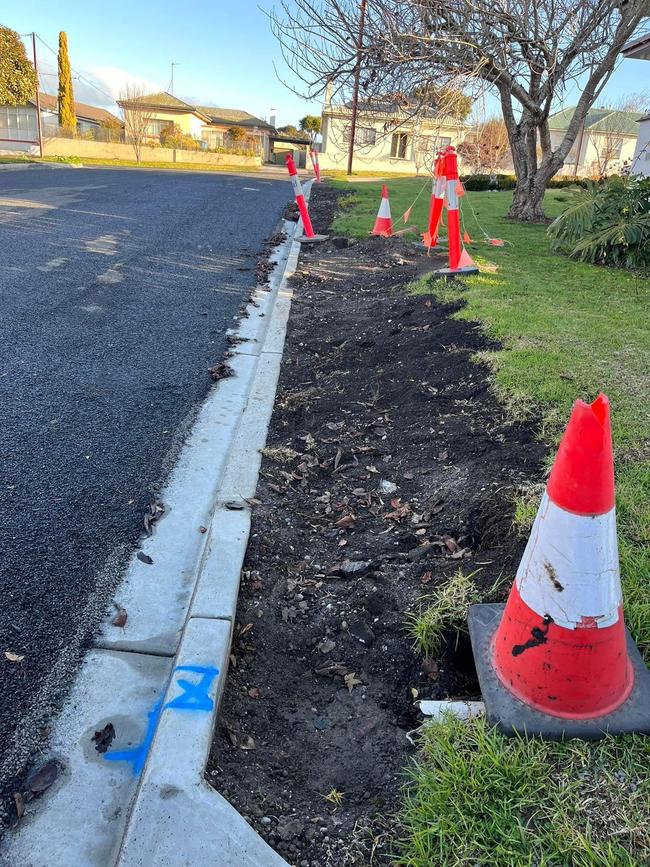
x=377, y=390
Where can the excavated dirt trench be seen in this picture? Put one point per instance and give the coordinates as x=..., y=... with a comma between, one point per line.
x=389, y=466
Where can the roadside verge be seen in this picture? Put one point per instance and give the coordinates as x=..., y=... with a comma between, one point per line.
x=132, y=739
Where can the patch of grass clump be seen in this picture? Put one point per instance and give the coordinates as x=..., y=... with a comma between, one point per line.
x=477, y=797
x=441, y=611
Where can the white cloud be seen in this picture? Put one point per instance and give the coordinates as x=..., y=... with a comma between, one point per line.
x=114, y=80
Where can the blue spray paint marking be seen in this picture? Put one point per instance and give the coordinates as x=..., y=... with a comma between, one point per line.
x=194, y=696
x=138, y=755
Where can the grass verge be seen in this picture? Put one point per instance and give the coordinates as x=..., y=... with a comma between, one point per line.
x=477, y=797
x=145, y=164
x=566, y=330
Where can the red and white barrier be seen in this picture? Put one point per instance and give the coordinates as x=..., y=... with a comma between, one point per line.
x=460, y=262
x=313, y=154
x=384, y=221
x=439, y=184
x=309, y=236
x=561, y=646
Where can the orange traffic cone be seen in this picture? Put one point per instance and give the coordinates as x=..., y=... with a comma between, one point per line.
x=556, y=661
x=384, y=222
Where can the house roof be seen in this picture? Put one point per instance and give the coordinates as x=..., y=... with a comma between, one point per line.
x=162, y=101
x=638, y=49
x=81, y=109
x=209, y=113
x=599, y=120
x=234, y=116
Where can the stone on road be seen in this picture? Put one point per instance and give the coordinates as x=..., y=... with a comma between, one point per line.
x=116, y=289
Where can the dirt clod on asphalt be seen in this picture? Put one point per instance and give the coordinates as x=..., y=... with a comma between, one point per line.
x=389, y=466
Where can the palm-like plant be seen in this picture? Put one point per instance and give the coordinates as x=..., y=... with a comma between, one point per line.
x=609, y=224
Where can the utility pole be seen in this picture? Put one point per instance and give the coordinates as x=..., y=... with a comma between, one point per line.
x=172, y=84
x=355, y=89
x=38, y=99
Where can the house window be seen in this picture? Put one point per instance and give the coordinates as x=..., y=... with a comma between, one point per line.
x=398, y=145
x=18, y=122
x=157, y=126
x=213, y=138
x=363, y=135
x=442, y=142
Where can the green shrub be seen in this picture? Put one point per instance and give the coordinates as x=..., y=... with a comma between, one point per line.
x=608, y=224
x=560, y=181
x=480, y=183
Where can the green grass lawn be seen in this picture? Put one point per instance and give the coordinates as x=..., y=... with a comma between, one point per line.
x=145, y=164
x=567, y=330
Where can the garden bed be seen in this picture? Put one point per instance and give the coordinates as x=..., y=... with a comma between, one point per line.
x=390, y=470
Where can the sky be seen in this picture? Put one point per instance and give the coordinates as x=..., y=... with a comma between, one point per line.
x=225, y=51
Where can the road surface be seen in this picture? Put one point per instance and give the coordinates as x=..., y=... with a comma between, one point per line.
x=116, y=288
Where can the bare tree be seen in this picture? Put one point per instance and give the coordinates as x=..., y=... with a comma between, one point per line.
x=137, y=117
x=486, y=147
x=528, y=52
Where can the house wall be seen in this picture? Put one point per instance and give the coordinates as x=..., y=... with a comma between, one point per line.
x=597, y=146
x=186, y=121
x=377, y=156
x=65, y=147
x=641, y=158
x=594, y=145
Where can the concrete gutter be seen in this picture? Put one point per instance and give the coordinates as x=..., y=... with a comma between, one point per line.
x=159, y=679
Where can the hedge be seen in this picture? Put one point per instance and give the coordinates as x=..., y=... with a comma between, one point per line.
x=481, y=183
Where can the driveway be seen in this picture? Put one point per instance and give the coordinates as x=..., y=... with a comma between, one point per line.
x=116, y=289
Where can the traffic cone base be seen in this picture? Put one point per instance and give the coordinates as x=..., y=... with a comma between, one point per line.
x=512, y=713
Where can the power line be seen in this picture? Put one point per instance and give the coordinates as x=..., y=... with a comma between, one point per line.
x=78, y=74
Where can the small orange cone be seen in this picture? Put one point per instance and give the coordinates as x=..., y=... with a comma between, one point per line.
x=466, y=238
x=384, y=222
x=495, y=242
x=466, y=260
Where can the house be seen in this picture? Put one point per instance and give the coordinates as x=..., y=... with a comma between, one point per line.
x=639, y=49
x=389, y=137
x=89, y=118
x=19, y=126
x=604, y=144
x=209, y=125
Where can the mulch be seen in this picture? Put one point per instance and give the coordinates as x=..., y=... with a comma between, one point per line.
x=389, y=465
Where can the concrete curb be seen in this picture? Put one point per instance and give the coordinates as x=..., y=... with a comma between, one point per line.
x=145, y=800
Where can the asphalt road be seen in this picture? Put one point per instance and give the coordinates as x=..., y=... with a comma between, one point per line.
x=116, y=288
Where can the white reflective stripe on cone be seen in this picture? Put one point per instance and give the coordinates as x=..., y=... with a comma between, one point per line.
x=439, y=189
x=297, y=186
x=570, y=568
x=452, y=196
x=384, y=209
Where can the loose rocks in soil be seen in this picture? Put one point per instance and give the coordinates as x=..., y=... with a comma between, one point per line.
x=389, y=466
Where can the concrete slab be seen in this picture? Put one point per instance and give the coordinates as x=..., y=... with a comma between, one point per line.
x=157, y=596
x=512, y=716
x=177, y=819
x=81, y=818
x=240, y=476
x=218, y=585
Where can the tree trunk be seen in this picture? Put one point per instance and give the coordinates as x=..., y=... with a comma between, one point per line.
x=527, y=200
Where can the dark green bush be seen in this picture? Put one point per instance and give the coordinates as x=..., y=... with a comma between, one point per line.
x=608, y=224
x=559, y=181
x=480, y=183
